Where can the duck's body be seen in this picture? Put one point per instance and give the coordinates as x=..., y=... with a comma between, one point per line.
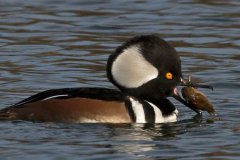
x=145, y=69
x=71, y=105
x=88, y=105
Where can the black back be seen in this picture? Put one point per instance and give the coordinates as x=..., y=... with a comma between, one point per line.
x=64, y=93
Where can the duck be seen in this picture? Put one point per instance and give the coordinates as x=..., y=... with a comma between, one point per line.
x=145, y=70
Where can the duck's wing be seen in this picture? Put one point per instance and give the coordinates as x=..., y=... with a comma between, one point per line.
x=65, y=93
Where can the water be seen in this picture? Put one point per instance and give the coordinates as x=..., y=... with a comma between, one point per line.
x=56, y=44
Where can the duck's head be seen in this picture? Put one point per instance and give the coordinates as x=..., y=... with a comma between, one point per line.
x=146, y=67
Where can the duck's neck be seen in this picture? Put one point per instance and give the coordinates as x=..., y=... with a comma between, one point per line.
x=144, y=111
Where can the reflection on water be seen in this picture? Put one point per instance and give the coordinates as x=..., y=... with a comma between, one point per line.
x=118, y=140
x=55, y=44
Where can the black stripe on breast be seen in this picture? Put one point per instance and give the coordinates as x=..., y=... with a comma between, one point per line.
x=128, y=105
x=166, y=107
x=149, y=112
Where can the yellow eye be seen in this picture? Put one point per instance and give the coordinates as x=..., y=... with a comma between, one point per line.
x=169, y=75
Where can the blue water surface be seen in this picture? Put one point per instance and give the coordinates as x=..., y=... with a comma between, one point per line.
x=55, y=44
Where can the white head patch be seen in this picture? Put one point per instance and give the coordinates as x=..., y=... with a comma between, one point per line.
x=130, y=69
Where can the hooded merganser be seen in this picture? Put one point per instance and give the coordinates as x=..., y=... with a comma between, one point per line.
x=145, y=69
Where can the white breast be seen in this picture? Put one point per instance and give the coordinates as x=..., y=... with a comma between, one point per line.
x=159, y=118
x=140, y=115
x=138, y=111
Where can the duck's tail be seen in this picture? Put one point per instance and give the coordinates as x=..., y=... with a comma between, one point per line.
x=5, y=114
